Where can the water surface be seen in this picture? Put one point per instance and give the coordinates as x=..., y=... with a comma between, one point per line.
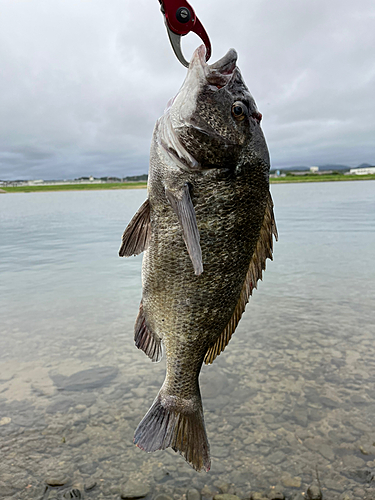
x=293, y=394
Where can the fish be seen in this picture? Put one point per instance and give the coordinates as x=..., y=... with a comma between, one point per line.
x=206, y=229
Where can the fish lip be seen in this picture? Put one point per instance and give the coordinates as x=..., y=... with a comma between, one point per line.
x=199, y=56
x=219, y=73
x=226, y=64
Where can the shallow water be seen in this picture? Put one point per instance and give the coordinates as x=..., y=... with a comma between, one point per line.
x=292, y=396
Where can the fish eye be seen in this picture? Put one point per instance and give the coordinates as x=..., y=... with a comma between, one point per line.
x=239, y=110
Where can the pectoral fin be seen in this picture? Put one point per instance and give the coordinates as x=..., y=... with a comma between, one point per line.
x=183, y=207
x=137, y=235
x=263, y=251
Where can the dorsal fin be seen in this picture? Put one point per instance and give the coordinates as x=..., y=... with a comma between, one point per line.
x=137, y=235
x=263, y=251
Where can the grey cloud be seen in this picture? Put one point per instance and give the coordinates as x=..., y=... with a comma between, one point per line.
x=82, y=84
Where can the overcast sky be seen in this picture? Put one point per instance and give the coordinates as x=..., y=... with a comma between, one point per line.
x=82, y=82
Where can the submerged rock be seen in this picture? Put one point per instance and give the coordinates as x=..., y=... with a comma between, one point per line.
x=88, y=468
x=226, y=487
x=57, y=480
x=291, y=482
x=276, y=495
x=298, y=496
x=206, y=491
x=163, y=496
x=193, y=494
x=313, y=492
x=134, y=489
x=78, y=441
x=257, y=496
x=361, y=475
x=161, y=474
x=5, y=490
x=90, y=484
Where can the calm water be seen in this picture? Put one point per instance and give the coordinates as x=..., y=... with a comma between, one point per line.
x=292, y=396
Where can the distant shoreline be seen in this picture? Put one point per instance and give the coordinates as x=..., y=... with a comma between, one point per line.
x=143, y=185
x=74, y=187
x=321, y=178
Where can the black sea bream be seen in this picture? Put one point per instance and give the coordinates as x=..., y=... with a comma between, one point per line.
x=206, y=230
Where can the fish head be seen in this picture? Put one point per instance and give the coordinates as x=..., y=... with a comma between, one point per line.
x=213, y=118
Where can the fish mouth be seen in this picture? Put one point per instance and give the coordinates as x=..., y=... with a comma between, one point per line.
x=219, y=73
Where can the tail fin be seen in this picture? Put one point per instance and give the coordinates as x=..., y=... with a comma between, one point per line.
x=179, y=426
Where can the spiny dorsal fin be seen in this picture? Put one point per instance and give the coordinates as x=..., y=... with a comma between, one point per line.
x=145, y=339
x=263, y=251
x=136, y=237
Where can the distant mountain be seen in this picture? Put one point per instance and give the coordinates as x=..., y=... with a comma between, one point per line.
x=301, y=167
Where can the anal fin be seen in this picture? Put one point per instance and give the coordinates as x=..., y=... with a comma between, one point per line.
x=146, y=340
x=137, y=235
x=263, y=251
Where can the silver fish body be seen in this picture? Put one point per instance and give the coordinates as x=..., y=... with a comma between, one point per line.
x=206, y=230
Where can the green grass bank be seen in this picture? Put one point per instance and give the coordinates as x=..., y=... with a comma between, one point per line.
x=74, y=187
x=289, y=178
x=321, y=178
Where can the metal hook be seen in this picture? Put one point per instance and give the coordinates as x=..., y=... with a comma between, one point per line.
x=180, y=19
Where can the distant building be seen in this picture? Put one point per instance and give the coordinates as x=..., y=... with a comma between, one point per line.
x=362, y=171
x=36, y=182
x=314, y=170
